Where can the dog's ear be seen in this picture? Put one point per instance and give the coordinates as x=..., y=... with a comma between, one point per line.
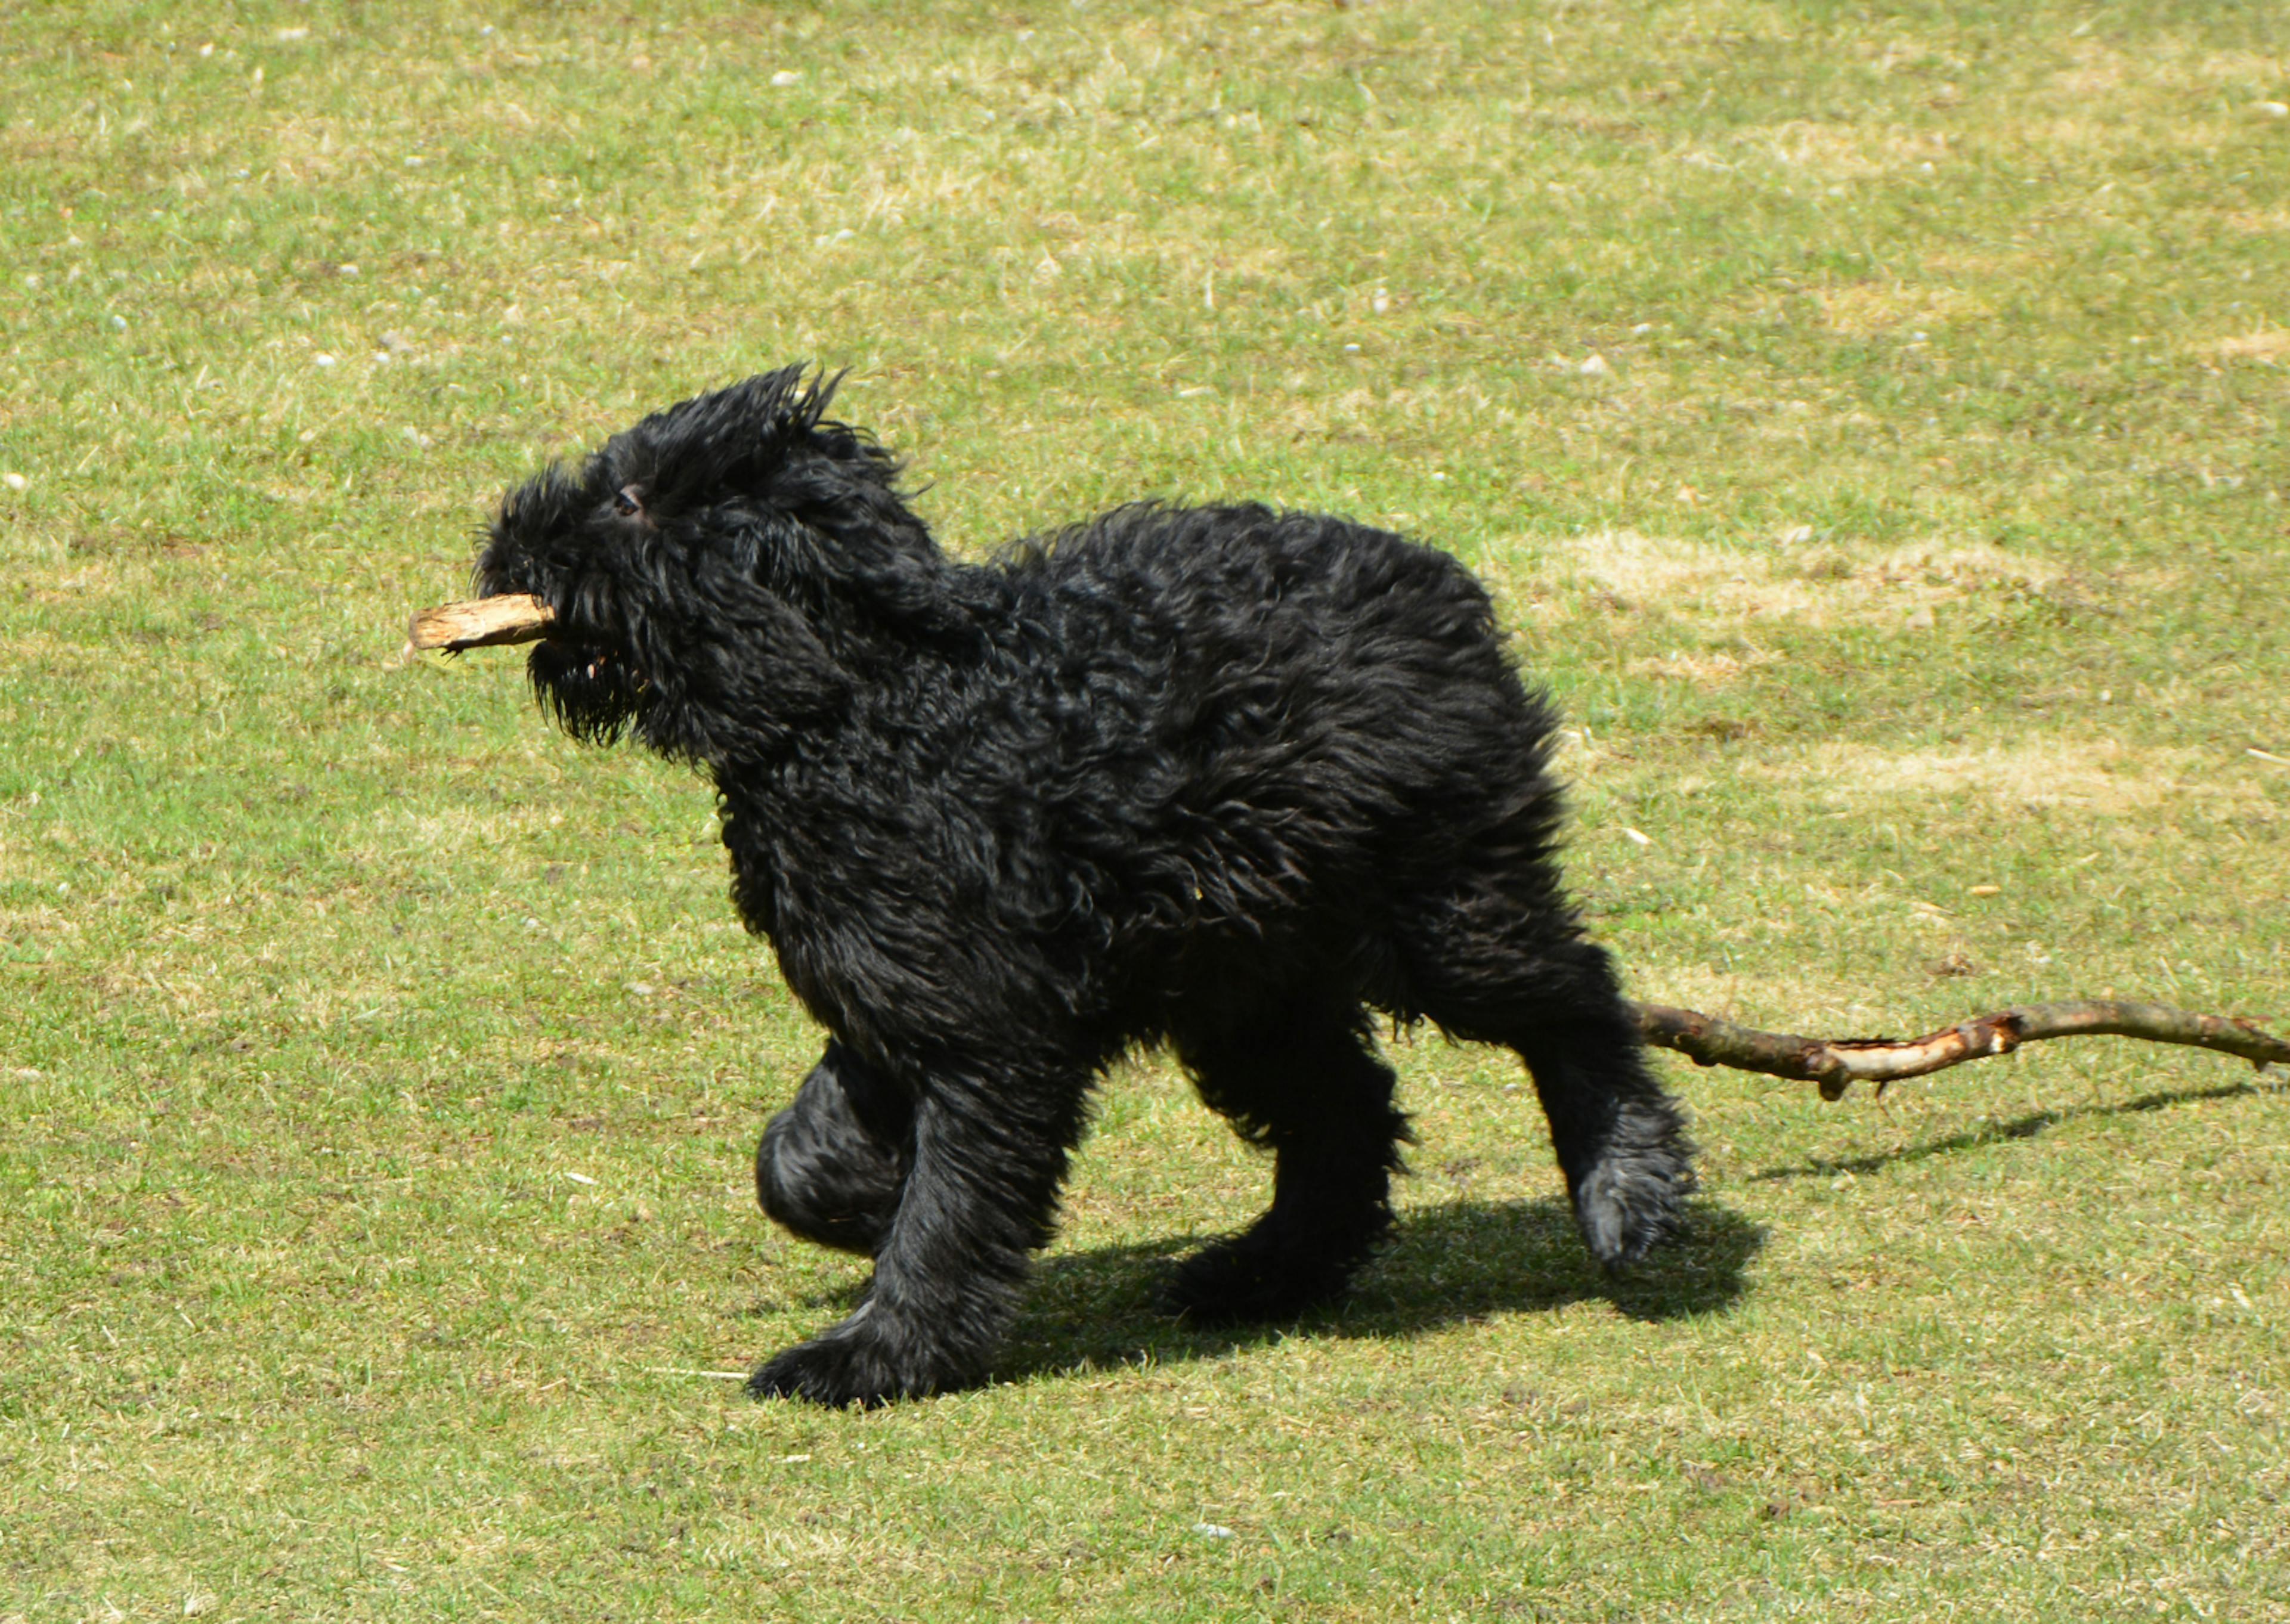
x=774, y=413
x=816, y=500
x=765, y=442
x=725, y=448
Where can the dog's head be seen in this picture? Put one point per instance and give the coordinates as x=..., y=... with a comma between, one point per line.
x=691, y=566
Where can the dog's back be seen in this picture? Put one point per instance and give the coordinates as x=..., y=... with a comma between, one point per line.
x=1286, y=640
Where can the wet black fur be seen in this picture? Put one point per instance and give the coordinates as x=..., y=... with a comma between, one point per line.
x=1223, y=777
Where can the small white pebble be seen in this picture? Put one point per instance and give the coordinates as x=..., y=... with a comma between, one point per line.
x=413, y=160
x=1635, y=838
x=844, y=235
x=1381, y=303
x=785, y=77
x=1439, y=477
x=1642, y=327
x=642, y=990
x=532, y=924
x=1351, y=349
x=1797, y=535
x=14, y=482
x=346, y=270
x=1214, y=1531
x=322, y=360
x=119, y=324
x=485, y=31
x=1596, y=367
x=206, y=49
x=2275, y=109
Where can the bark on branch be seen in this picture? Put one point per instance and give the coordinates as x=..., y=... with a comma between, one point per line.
x=1835, y=1064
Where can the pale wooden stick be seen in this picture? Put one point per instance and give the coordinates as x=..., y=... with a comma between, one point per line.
x=1835, y=1064
x=514, y=617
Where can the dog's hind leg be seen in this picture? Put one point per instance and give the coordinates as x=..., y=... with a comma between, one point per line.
x=1307, y=1085
x=831, y=1165
x=977, y=1201
x=1487, y=970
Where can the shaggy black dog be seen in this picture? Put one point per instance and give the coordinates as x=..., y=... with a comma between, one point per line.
x=1223, y=777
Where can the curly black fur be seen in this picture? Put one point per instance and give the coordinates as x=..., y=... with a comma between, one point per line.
x=1221, y=777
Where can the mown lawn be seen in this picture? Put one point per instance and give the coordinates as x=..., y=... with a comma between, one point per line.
x=1871, y=419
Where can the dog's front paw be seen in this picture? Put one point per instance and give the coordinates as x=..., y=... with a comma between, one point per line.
x=854, y=1363
x=829, y=1370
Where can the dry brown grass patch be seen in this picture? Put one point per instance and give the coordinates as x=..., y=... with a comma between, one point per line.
x=1844, y=152
x=1712, y=669
x=1806, y=1003
x=1822, y=587
x=1863, y=308
x=2103, y=776
x=2264, y=344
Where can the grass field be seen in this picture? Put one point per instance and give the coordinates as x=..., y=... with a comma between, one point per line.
x=1871, y=419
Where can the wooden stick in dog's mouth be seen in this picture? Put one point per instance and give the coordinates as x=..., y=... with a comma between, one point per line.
x=513, y=617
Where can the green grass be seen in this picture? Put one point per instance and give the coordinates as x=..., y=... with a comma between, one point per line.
x=381, y=1070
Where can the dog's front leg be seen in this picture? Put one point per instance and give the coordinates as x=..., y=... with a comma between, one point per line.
x=830, y=1166
x=977, y=1203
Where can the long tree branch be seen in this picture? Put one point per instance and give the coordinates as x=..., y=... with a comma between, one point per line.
x=1837, y=1063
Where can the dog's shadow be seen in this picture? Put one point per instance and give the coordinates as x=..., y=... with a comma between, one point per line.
x=2028, y=1126
x=1455, y=1262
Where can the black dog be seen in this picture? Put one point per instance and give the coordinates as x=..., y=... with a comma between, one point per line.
x=1221, y=777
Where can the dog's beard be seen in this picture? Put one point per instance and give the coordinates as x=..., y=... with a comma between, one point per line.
x=592, y=692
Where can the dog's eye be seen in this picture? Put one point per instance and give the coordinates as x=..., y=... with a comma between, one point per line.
x=628, y=500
